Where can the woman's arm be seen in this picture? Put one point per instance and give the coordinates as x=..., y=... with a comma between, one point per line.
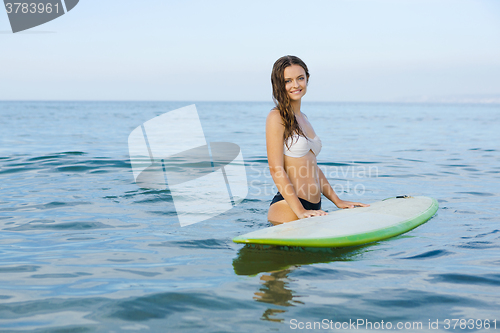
x=274, y=143
x=328, y=192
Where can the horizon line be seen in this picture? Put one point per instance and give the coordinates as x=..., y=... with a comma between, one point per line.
x=465, y=101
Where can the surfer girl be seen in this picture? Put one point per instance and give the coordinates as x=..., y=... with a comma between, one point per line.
x=292, y=147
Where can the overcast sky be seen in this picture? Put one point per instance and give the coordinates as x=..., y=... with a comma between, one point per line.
x=356, y=50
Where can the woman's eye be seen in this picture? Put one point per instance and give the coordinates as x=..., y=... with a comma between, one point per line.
x=301, y=78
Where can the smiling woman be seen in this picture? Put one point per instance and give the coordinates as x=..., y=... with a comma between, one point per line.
x=292, y=147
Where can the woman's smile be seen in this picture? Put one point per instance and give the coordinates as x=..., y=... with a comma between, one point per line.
x=295, y=81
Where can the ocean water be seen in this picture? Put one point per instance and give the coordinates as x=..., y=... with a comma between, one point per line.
x=84, y=249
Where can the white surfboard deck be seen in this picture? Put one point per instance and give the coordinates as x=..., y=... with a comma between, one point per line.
x=348, y=227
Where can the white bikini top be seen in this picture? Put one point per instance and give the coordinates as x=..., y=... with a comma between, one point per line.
x=299, y=146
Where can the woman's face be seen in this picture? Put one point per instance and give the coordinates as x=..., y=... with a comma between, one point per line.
x=295, y=82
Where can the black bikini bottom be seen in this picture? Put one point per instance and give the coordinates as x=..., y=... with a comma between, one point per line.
x=307, y=205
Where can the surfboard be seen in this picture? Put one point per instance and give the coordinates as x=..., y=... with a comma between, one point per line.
x=349, y=227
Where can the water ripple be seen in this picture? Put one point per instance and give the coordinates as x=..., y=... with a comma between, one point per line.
x=166, y=304
x=486, y=279
x=61, y=226
x=196, y=244
x=431, y=254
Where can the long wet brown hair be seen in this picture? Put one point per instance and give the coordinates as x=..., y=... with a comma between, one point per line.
x=281, y=98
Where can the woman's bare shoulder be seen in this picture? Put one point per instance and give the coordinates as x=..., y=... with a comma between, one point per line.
x=274, y=115
x=274, y=122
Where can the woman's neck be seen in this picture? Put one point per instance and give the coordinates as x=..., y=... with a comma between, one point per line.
x=295, y=106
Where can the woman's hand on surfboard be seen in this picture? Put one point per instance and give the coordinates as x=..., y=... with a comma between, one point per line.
x=310, y=213
x=342, y=204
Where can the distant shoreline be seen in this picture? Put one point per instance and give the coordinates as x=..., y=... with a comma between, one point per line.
x=444, y=101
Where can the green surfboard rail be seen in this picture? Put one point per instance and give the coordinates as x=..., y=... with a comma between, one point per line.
x=351, y=240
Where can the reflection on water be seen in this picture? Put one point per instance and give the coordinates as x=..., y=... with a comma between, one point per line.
x=274, y=291
x=255, y=259
x=272, y=312
x=278, y=262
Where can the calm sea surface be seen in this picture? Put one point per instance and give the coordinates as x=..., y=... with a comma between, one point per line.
x=83, y=248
